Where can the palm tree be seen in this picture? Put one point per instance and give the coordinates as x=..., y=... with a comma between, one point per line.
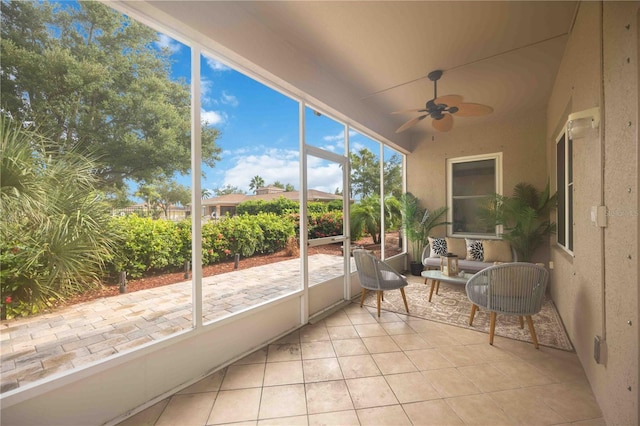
x=54, y=233
x=524, y=216
x=418, y=222
x=256, y=183
x=205, y=193
x=365, y=217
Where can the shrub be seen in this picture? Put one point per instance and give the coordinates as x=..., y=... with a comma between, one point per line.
x=334, y=205
x=54, y=234
x=276, y=230
x=316, y=207
x=279, y=206
x=148, y=245
x=244, y=234
x=319, y=224
x=325, y=224
x=215, y=244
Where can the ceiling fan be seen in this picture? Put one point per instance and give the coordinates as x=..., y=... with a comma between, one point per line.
x=440, y=109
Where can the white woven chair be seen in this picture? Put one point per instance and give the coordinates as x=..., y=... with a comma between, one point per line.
x=511, y=289
x=378, y=276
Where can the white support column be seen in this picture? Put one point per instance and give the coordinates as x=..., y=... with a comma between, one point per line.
x=304, y=252
x=346, y=209
x=382, y=212
x=196, y=190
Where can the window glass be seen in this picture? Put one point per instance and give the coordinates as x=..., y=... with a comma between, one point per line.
x=472, y=180
x=366, y=217
x=564, y=181
x=112, y=182
x=251, y=204
x=393, y=188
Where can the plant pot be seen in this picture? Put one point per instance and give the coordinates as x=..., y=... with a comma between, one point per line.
x=416, y=268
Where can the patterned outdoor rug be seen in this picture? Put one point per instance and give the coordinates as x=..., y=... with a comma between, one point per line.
x=451, y=306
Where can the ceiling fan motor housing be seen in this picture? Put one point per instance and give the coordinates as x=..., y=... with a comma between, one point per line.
x=435, y=75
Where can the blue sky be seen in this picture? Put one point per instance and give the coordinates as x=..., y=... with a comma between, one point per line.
x=259, y=129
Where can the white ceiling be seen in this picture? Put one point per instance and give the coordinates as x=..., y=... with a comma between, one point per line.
x=371, y=58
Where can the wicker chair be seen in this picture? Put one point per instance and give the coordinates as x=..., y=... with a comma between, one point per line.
x=378, y=276
x=511, y=289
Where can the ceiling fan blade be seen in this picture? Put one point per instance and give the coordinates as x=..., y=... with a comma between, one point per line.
x=449, y=100
x=404, y=111
x=444, y=124
x=472, y=110
x=410, y=123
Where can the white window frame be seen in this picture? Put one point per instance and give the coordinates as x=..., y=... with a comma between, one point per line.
x=565, y=212
x=497, y=157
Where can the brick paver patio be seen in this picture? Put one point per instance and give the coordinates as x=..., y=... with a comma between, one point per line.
x=37, y=347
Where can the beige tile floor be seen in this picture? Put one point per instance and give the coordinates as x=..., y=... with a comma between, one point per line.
x=353, y=368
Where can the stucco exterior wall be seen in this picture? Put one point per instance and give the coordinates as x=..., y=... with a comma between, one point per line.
x=521, y=141
x=596, y=287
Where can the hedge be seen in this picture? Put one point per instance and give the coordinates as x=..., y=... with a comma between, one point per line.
x=150, y=246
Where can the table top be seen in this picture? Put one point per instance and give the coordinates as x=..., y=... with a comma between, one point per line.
x=438, y=276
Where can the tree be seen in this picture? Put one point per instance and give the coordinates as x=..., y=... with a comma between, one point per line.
x=393, y=176
x=118, y=198
x=95, y=82
x=365, y=174
x=287, y=188
x=205, y=193
x=256, y=183
x=228, y=189
x=54, y=233
x=163, y=194
x=365, y=217
x=172, y=194
x=150, y=196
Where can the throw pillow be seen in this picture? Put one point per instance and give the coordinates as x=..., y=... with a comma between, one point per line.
x=457, y=246
x=475, y=251
x=438, y=247
x=497, y=251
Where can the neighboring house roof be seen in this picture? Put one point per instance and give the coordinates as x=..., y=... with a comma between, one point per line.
x=235, y=199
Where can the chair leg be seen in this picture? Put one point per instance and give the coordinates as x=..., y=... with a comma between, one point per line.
x=364, y=291
x=474, y=307
x=532, y=331
x=492, y=327
x=521, y=321
x=404, y=298
x=379, y=297
x=382, y=296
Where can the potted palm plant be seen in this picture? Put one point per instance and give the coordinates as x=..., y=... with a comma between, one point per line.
x=524, y=217
x=417, y=224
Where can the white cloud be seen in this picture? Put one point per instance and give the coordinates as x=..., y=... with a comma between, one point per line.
x=228, y=99
x=355, y=147
x=213, y=117
x=284, y=166
x=167, y=42
x=216, y=65
x=206, y=86
x=335, y=143
x=339, y=137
